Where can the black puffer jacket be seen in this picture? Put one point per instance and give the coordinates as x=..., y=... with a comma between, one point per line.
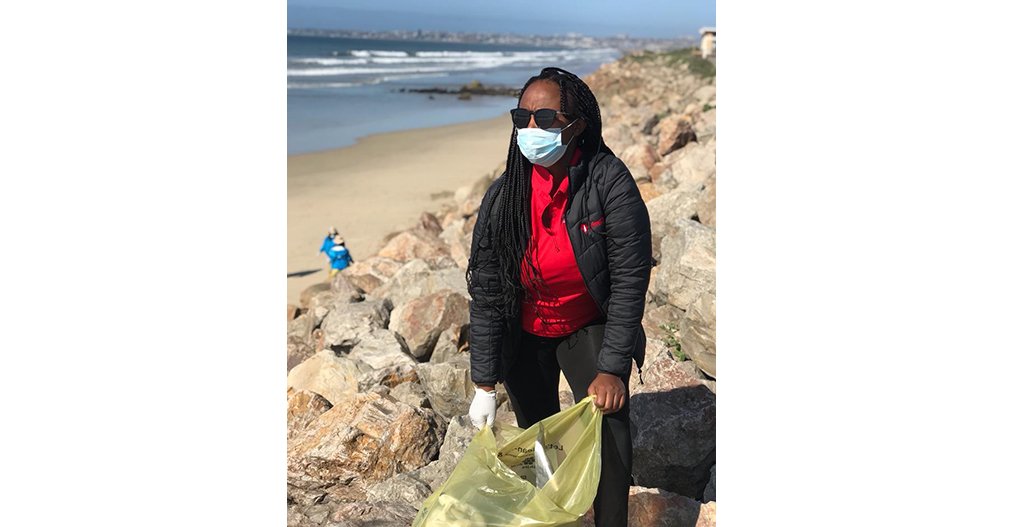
x=608, y=225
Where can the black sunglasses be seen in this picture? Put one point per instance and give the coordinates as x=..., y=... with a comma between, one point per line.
x=544, y=117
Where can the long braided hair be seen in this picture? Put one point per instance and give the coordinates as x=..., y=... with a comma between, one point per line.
x=509, y=237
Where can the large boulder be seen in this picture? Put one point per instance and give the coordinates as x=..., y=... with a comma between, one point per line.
x=420, y=278
x=362, y=513
x=301, y=327
x=687, y=266
x=706, y=205
x=460, y=432
x=692, y=168
x=411, y=393
x=347, y=323
x=705, y=94
x=666, y=212
x=405, y=488
x=413, y=244
x=370, y=273
x=297, y=351
x=448, y=385
x=303, y=407
x=383, y=351
x=333, y=377
x=345, y=291
x=368, y=439
x=459, y=244
x=675, y=132
x=639, y=158
x=421, y=320
x=451, y=343
x=699, y=337
x=413, y=487
x=707, y=515
x=674, y=422
x=657, y=508
x=710, y=493
x=305, y=298
x=429, y=223
x=300, y=343
x=663, y=323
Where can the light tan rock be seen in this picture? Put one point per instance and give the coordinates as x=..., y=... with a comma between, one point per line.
x=411, y=393
x=457, y=242
x=298, y=350
x=412, y=244
x=687, y=267
x=707, y=515
x=648, y=190
x=448, y=385
x=675, y=132
x=450, y=343
x=303, y=407
x=666, y=212
x=368, y=274
x=692, y=168
x=663, y=322
x=335, y=378
x=705, y=94
x=639, y=158
x=345, y=291
x=371, y=514
x=306, y=296
x=706, y=204
x=420, y=278
x=699, y=339
x=343, y=327
x=421, y=320
x=429, y=223
x=383, y=351
x=300, y=342
x=368, y=439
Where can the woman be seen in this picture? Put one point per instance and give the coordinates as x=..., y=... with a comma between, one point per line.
x=558, y=271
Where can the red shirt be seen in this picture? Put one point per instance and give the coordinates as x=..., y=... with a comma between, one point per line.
x=561, y=304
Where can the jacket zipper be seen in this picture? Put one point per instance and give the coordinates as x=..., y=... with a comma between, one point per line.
x=564, y=219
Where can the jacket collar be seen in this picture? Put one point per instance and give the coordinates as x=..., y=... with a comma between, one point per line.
x=577, y=174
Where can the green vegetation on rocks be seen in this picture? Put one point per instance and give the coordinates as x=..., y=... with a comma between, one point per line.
x=688, y=56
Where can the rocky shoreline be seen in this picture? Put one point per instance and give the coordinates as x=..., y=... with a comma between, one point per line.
x=467, y=91
x=378, y=366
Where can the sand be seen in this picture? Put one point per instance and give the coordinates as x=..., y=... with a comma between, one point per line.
x=381, y=184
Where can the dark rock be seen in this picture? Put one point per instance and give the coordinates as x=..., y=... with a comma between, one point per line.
x=674, y=421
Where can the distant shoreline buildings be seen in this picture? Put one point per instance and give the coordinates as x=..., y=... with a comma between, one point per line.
x=570, y=40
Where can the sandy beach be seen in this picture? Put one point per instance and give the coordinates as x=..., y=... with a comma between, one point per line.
x=381, y=184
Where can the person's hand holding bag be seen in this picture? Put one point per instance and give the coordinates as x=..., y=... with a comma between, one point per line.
x=484, y=407
x=608, y=392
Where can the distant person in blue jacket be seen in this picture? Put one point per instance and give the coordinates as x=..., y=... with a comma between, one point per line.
x=333, y=246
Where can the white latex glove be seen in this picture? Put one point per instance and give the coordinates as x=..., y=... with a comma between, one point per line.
x=484, y=408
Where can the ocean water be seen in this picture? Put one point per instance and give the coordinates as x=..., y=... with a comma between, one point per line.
x=340, y=89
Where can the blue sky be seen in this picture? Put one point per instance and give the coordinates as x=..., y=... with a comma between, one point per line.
x=643, y=18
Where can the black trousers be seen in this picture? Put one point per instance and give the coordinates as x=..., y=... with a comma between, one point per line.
x=532, y=386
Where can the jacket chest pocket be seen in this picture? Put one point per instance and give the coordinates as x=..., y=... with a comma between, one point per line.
x=594, y=228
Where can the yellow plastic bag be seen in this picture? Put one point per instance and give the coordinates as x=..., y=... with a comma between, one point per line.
x=494, y=485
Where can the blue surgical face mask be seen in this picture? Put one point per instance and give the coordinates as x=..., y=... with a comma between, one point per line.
x=542, y=147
